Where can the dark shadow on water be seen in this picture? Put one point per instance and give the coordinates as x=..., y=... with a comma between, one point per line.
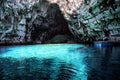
x=105, y=65
x=35, y=69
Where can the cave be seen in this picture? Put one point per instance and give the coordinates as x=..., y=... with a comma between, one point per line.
x=59, y=39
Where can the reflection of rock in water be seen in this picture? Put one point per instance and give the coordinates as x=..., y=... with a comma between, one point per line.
x=36, y=69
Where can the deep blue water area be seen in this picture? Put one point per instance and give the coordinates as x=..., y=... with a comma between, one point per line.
x=59, y=62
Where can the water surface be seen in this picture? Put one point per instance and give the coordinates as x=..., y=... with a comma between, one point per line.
x=59, y=62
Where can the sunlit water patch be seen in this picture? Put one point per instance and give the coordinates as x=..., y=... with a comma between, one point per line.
x=59, y=62
x=43, y=62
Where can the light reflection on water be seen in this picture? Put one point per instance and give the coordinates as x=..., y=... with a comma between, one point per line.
x=44, y=62
x=59, y=62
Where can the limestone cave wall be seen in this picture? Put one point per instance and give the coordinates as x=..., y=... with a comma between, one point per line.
x=92, y=20
x=23, y=21
x=35, y=22
x=95, y=20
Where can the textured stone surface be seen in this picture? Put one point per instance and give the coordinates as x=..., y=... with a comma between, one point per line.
x=31, y=21
x=37, y=21
x=96, y=19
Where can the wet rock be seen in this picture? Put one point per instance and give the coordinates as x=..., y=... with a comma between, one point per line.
x=45, y=28
x=60, y=39
x=95, y=16
x=22, y=21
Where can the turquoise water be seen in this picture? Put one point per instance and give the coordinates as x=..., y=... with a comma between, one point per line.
x=63, y=56
x=58, y=62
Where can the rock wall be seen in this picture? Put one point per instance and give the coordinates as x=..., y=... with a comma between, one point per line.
x=91, y=20
x=96, y=20
x=25, y=21
x=40, y=20
x=52, y=24
x=13, y=16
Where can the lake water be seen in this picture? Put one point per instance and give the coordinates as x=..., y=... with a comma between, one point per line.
x=59, y=62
